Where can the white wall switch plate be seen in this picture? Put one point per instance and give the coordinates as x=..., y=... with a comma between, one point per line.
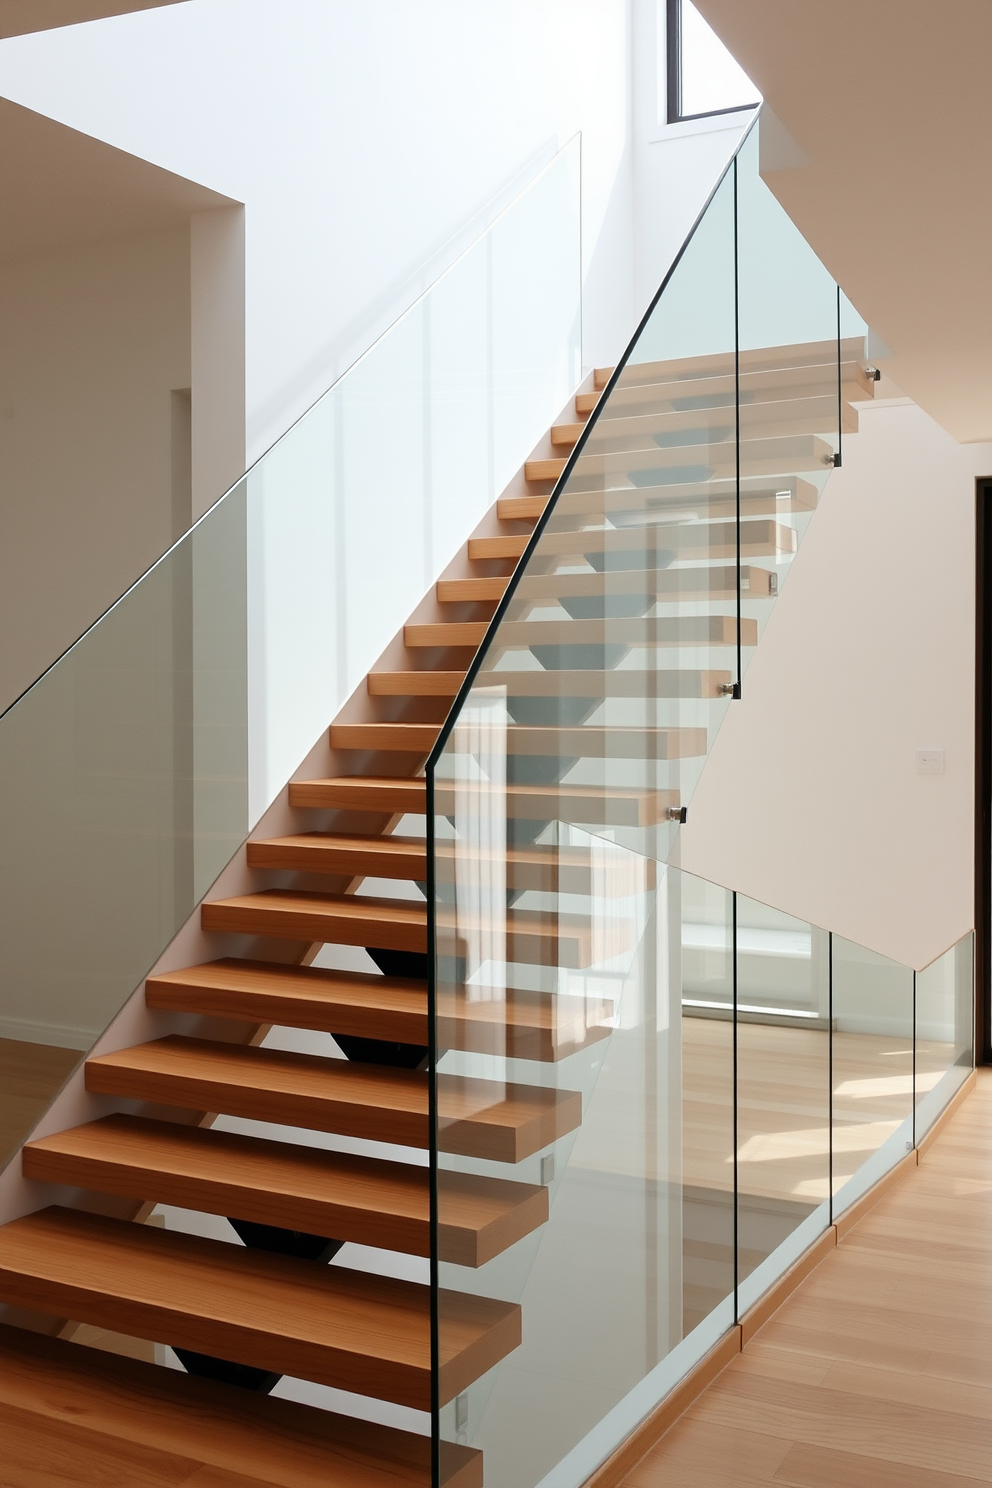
x=929, y=762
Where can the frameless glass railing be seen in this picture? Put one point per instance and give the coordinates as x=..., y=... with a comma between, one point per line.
x=134, y=768
x=683, y=1088
x=673, y=1089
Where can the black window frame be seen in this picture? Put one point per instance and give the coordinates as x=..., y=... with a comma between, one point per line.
x=673, y=67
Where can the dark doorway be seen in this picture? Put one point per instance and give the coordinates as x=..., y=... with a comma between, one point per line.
x=983, y=771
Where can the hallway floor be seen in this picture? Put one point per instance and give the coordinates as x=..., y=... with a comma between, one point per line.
x=877, y=1371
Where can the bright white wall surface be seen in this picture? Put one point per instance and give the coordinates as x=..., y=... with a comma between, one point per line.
x=95, y=337
x=675, y=166
x=368, y=143
x=811, y=800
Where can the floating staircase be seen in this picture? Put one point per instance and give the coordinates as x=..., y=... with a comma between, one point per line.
x=278, y=1304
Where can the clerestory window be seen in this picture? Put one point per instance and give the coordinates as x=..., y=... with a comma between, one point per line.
x=702, y=76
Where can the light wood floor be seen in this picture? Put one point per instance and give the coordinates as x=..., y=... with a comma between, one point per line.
x=877, y=1372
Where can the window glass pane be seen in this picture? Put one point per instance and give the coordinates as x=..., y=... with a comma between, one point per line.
x=711, y=78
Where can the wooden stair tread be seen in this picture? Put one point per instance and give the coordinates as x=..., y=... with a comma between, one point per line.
x=818, y=380
x=651, y=631
x=581, y=803
x=615, y=682
x=471, y=590
x=670, y=584
x=702, y=498
x=531, y=1025
x=542, y=867
x=446, y=633
x=281, y=1442
x=481, y=1118
x=756, y=359
x=594, y=741
x=528, y=935
x=347, y=1329
x=718, y=539
x=783, y=454
x=346, y=919
x=812, y=413
x=360, y=1199
x=359, y=1003
x=415, y=738
x=343, y=853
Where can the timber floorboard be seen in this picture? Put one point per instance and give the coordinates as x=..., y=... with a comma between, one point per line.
x=876, y=1372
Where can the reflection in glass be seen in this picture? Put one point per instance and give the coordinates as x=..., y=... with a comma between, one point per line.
x=872, y=1067
x=783, y=1091
x=945, y=1011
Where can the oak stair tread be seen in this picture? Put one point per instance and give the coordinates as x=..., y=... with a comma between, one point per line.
x=585, y=682
x=480, y=1118
x=781, y=455
x=594, y=741
x=412, y=738
x=365, y=1200
x=94, y=1396
x=525, y=1025
x=528, y=935
x=756, y=359
x=613, y=805
x=347, y=1329
x=811, y=414
x=720, y=389
x=340, y=919
x=548, y=868
x=471, y=590
x=672, y=584
x=637, y=632
x=652, y=540
x=702, y=498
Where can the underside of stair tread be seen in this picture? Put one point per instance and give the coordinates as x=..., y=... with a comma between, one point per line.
x=360, y=1199
x=478, y=1117
x=342, y=1328
x=280, y=1442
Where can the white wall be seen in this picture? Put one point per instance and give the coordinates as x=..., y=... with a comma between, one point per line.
x=363, y=140
x=811, y=800
x=675, y=166
x=94, y=340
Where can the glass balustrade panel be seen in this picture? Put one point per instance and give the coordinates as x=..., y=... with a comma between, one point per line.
x=796, y=383
x=872, y=1011
x=945, y=1022
x=123, y=792
x=783, y=1092
x=556, y=797
x=135, y=767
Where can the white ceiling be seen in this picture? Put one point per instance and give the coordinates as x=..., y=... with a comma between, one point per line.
x=20, y=16
x=883, y=158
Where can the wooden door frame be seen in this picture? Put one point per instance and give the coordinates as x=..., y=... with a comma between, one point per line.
x=983, y=770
